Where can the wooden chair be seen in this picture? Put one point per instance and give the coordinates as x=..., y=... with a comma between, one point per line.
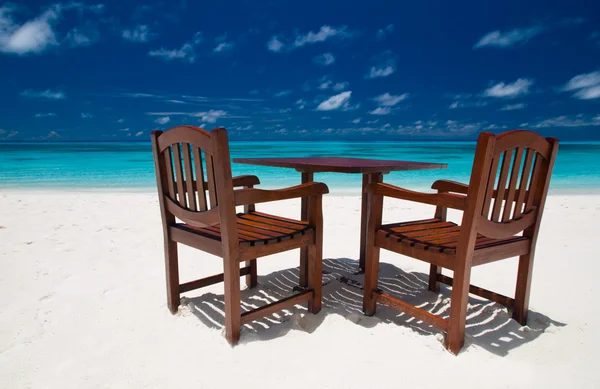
x=501, y=219
x=215, y=228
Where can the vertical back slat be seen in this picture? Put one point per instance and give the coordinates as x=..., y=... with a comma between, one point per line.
x=189, y=177
x=523, y=184
x=534, y=183
x=487, y=201
x=179, y=176
x=170, y=176
x=502, y=184
x=199, y=179
x=210, y=172
x=512, y=185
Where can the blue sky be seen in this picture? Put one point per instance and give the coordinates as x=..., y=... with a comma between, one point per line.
x=269, y=70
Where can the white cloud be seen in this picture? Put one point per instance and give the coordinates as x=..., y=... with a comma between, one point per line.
x=581, y=81
x=381, y=111
x=211, y=116
x=301, y=103
x=139, y=133
x=76, y=37
x=517, y=88
x=32, y=37
x=513, y=107
x=163, y=120
x=383, y=70
x=44, y=115
x=85, y=115
x=388, y=100
x=37, y=35
x=120, y=120
x=324, y=33
x=569, y=121
x=587, y=85
x=9, y=135
x=420, y=128
x=335, y=102
x=467, y=104
x=589, y=93
x=98, y=8
x=141, y=33
x=356, y=121
x=275, y=45
x=187, y=52
x=324, y=59
x=383, y=32
x=126, y=129
x=340, y=86
x=508, y=38
x=45, y=94
x=283, y=93
x=52, y=134
x=223, y=47
x=325, y=83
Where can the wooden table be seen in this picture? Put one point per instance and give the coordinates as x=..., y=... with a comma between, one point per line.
x=371, y=169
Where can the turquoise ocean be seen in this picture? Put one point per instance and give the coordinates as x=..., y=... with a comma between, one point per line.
x=128, y=166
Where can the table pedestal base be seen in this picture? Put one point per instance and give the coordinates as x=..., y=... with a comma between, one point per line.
x=368, y=178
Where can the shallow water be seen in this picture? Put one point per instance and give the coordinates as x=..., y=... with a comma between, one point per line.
x=129, y=165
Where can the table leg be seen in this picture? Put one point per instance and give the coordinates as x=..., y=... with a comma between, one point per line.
x=367, y=179
x=306, y=177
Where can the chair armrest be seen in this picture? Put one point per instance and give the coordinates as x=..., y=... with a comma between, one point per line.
x=247, y=180
x=254, y=196
x=450, y=186
x=440, y=199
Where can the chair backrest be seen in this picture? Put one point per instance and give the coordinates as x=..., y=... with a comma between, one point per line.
x=509, y=182
x=190, y=162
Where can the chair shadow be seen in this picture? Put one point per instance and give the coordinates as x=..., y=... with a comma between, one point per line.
x=489, y=325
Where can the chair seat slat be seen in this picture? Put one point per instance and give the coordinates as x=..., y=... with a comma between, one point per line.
x=253, y=232
x=444, y=239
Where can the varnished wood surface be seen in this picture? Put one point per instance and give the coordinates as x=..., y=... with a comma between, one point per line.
x=189, y=162
x=340, y=164
x=436, y=235
x=255, y=229
x=503, y=206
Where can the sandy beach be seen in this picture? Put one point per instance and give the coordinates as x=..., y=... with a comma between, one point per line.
x=82, y=305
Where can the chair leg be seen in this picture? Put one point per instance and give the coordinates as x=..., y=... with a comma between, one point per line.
x=371, y=277
x=455, y=338
x=231, y=280
x=252, y=278
x=521, y=308
x=172, y=275
x=315, y=276
x=434, y=285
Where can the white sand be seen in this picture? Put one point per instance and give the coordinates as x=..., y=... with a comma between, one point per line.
x=82, y=305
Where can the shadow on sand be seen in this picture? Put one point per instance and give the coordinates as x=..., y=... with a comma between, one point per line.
x=489, y=325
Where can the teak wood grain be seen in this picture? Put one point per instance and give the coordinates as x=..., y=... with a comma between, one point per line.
x=371, y=170
x=341, y=165
x=502, y=212
x=182, y=155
